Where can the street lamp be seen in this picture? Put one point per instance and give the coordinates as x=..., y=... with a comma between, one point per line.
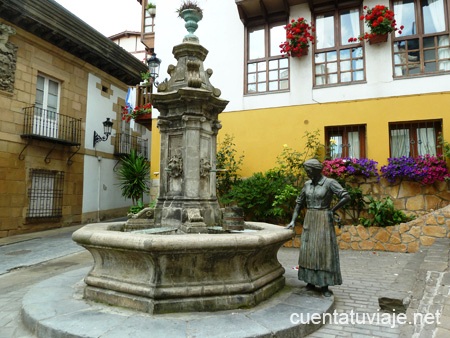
x=153, y=67
x=107, y=127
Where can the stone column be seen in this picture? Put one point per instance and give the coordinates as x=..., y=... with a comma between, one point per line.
x=189, y=107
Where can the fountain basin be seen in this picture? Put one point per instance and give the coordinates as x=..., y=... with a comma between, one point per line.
x=183, y=273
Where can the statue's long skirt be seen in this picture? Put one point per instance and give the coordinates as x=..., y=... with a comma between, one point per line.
x=319, y=253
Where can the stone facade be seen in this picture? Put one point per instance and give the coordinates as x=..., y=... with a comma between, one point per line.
x=20, y=156
x=34, y=58
x=429, y=203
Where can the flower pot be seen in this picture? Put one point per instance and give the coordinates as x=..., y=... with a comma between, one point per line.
x=378, y=38
x=191, y=18
x=145, y=120
x=302, y=52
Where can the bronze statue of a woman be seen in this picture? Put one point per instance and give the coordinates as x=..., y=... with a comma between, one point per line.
x=319, y=253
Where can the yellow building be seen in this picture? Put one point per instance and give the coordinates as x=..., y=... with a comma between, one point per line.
x=59, y=80
x=369, y=100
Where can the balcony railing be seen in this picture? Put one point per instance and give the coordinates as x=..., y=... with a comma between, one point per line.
x=125, y=143
x=51, y=126
x=143, y=93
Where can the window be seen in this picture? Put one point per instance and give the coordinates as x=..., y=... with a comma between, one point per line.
x=423, y=47
x=266, y=69
x=346, y=141
x=415, y=138
x=45, y=194
x=338, y=61
x=45, y=121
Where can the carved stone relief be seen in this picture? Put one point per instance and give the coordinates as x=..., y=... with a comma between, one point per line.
x=175, y=166
x=205, y=167
x=8, y=59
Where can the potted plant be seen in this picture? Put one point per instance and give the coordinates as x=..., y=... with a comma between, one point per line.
x=134, y=176
x=298, y=37
x=145, y=76
x=380, y=20
x=189, y=5
x=138, y=114
x=151, y=9
x=191, y=13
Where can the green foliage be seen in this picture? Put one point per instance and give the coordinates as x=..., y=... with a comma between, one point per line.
x=134, y=209
x=226, y=158
x=269, y=196
x=256, y=195
x=290, y=161
x=290, y=165
x=356, y=205
x=445, y=146
x=384, y=214
x=284, y=203
x=145, y=76
x=134, y=176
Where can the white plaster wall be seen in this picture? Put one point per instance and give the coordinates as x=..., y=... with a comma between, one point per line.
x=222, y=33
x=100, y=189
x=132, y=44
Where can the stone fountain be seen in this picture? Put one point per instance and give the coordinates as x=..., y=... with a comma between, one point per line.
x=176, y=257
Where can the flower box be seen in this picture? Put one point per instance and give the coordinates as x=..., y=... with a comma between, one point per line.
x=298, y=37
x=378, y=38
x=145, y=120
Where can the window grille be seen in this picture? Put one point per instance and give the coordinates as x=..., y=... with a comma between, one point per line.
x=45, y=194
x=415, y=138
x=346, y=141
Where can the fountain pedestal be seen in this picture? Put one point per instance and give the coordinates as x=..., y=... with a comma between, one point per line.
x=182, y=264
x=188, y=123
x=163, y=273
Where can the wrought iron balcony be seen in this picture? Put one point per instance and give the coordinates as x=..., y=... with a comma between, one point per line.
x=125, y=143
x=47, y=125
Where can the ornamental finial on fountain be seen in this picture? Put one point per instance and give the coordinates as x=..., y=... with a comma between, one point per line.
x=191, y=13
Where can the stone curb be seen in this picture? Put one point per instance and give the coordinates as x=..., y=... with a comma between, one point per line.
x=54, y=308
x=430, y=292
x=399, y=294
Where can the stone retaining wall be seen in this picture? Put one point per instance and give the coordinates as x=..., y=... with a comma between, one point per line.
x=405, y=237
x=411, y=197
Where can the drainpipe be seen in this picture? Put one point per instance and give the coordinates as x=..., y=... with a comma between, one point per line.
x=99, y=190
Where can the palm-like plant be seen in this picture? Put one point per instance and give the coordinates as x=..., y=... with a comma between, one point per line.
x=134, y=176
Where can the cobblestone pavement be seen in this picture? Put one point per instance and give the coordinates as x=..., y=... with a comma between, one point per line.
x=366, y=275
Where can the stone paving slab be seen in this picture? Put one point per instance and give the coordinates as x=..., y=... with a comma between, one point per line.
x=26, y=250
x=63, y=313
x=365, y=276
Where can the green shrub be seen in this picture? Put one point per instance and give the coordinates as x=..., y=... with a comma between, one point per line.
x=134, y=209
x=256, y=195
x=284, y=202
x=134, y=176
x=384, y=214
x=226, y=158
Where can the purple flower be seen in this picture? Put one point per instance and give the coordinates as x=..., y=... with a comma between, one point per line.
x=344, y=167
x=425, y=169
